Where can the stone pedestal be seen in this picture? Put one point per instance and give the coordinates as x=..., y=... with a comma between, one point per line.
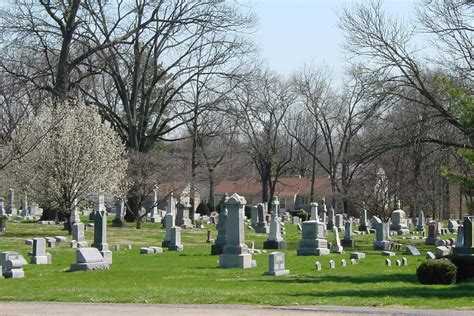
x=119, y=220
x=275, y=240
x=312, y=242
x=433, y=233
x=262, y=226
x=277, y=264
x=463, y=256
x=420, y=222
x=182, y=217
x=218, y=247
x=235, y=252
x=175, y=239
x=89, y=259
x=169, y=223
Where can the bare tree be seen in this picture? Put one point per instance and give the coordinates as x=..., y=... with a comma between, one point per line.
x=391, y=61
x=263, y=103
x=339, y=119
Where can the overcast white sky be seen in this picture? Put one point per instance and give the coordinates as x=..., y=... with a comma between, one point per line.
x=292, y=32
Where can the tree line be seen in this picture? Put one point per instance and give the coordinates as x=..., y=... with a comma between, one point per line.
x=181, y=84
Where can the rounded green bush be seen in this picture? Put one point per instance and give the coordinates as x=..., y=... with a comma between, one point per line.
x=436, y=271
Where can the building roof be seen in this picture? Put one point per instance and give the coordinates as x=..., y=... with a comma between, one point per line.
x=286, y=187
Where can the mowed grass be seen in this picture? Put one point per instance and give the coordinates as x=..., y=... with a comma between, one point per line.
x=193, y=276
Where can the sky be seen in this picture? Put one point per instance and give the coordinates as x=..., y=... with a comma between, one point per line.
x=291, y=33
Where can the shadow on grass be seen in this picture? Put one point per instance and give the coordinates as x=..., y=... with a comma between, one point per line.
x=374, y=278
x=448, y=293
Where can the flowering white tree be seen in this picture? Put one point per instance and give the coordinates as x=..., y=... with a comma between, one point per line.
x=79, y=156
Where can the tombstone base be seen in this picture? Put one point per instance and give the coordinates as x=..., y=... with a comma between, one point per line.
x=118, y=223
x=431, y=241
x=330, y=226
x=107, y=254
x=175, y=247
x=82, y=244
x=39, y=260
x=313, y=243
x=243, y=261
x=14, y=274
x=277, y=273
x=350, y=243
x=403, y=231
x=363, y=228
x=312, y=251
x=165, y=243
x=420, y=228
x=382, y=245
x=217, y=249
x=272, y=244
x=185, y=223
x=91, y=266
x=262, y=229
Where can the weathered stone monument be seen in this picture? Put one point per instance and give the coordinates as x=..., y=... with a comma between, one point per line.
x=399, y=222
x=12, y=211
x=322, y=211
x=382, y=234
x=221, y=226
x=331, y=218
x=463, y=256
x=460, y=237
x=74, y=218
x=24, y=206
x=235, y=254
x=175, y=239
x=453, y=226
x=3, y=218
x=100, y=232
x=420, y=222
x=169, y=223
x=347, y=241
x=12, y=264
x=275, y=240
x=154, y=216
x=171, y=206
x=119, y=220
x=277, y=264
x=433, y=233
x=363, y=224
x=314, y=211
x=339, y=225
x=39, y=254
x=254, y=216
x=337, y=246
x=89, y=259
x=182, y=217
x=313, y=242
x=262, y=226
x=78, y=239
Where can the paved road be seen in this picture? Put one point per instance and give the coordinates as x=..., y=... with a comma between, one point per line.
x=46, y=308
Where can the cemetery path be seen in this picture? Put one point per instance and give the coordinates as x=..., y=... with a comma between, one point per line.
x=54, y=308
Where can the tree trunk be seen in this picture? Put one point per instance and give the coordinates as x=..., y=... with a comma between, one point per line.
x=138, y=222
x=211, y=188
x=313, y=180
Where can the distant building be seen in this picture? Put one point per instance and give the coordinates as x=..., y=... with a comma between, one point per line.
x=293, y=192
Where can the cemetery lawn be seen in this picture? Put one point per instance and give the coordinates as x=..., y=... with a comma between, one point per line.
x=193, y=276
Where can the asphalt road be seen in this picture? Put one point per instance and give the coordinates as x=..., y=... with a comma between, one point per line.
x=53, y=308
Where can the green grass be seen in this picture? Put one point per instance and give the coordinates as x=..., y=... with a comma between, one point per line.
x=193, y=276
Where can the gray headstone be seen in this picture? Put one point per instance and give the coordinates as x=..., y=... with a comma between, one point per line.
x=277, y=264
x=235, y=253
